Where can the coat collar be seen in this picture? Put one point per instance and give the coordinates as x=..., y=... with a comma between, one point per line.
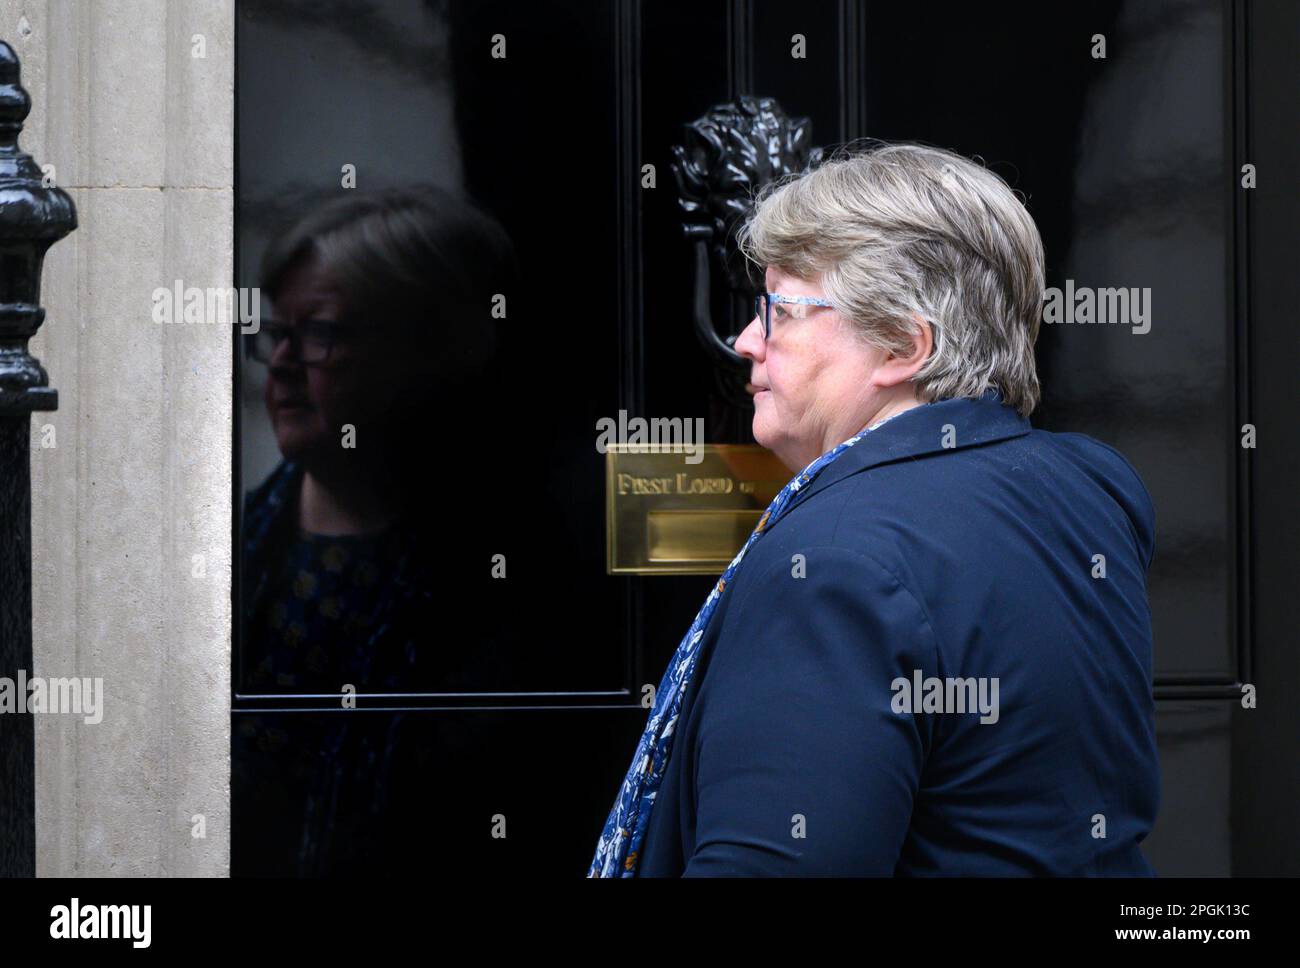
x=959, y=423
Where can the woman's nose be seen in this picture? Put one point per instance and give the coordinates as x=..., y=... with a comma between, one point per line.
x=750, y=343
x=282, y=356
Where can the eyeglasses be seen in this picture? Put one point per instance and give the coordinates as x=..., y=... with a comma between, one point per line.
x=798, y=308
x=312, y=342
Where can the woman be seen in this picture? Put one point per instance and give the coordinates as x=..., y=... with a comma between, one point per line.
x=375, y=389
x=914, y=665
x=382, y=331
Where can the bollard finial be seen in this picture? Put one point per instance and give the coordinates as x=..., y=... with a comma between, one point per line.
x=33, y=216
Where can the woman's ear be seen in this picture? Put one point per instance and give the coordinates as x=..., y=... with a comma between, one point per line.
x=897, y=368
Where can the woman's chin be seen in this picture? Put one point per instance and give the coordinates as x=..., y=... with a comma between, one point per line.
x=765, y=437
x=764, y=433
x=296, y=446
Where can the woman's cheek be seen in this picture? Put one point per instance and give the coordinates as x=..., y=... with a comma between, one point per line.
x=343, y=402
x=323, y=390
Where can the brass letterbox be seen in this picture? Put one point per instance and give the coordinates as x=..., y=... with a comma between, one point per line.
x=665, y=516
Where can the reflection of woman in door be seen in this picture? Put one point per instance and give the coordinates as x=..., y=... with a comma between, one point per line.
x=382, y=323
x=376, y=390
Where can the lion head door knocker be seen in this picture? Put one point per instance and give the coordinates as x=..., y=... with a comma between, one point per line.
x=728, y=155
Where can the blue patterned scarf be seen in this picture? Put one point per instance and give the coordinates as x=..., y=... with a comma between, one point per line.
x=619, y=847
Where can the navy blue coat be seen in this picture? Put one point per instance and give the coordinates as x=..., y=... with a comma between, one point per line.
x=954, y=541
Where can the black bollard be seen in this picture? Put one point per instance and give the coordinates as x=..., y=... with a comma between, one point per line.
x=33, y=217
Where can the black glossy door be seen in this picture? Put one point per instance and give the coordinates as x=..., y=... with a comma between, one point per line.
x=1131, y=167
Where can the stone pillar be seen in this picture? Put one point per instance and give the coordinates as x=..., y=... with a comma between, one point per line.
x=131, y=515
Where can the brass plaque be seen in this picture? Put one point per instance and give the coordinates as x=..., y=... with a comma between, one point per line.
x=665, y=516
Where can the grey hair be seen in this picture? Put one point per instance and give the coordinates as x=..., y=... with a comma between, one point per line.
x=422, y=256
x=900, y=230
